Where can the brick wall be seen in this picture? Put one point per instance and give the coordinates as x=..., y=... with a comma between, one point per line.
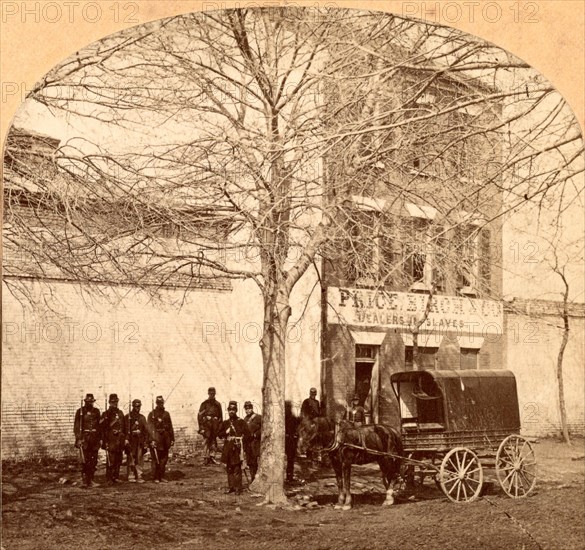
x=532, y=348
x=89, y=345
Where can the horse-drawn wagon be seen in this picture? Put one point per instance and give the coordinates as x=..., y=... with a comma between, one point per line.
x=469, y=421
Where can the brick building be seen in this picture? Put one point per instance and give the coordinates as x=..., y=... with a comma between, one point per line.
x=419, y=237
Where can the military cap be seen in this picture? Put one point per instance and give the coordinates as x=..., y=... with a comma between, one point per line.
x=136, y=402
x=212, y=389
x=233, y=405
x=113, y=397
x=89, y=398
x=248, y=405
x=159, y=399
x=313, y=390
x=356, y=397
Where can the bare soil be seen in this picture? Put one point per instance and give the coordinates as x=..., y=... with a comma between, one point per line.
x=44, y=507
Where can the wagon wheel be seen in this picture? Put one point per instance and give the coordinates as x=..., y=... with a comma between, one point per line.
x=461, y=475
x=516, y=466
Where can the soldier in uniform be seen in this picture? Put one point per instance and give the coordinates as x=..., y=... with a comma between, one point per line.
x=311, y=408
x=237, y=434
x=357, y=414
x=209, y=418
x=254, y=422
x=291, y=423
x=162, y=438
x=87, y=438
x=138, y=439
x=113, y=439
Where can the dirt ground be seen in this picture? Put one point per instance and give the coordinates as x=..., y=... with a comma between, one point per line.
x=44, y=507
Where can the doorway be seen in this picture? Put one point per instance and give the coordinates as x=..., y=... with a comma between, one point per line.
x=366, y=376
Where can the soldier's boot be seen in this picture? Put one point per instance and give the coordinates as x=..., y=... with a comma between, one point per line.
x=91, y=482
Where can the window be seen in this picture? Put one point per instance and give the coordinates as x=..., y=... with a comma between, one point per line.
x=469, y=358
x=472, y=257
x=363, y=248
x=426, y=358
x=465, y=245
x=414, y=249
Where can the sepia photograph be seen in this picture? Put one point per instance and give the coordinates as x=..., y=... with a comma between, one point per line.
x=297, y=274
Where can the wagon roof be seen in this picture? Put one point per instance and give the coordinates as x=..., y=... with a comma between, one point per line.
x=472, y=399
x=461, y=374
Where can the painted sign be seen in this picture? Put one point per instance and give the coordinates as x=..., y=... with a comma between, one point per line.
x=402, y=310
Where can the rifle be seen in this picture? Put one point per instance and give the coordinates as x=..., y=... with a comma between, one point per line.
x=167, y=398
x=153, y=447
x=245, y=470
x=81, y=454
x=130, y=457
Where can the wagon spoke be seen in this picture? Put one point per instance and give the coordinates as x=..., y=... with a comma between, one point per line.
x=451, y=477
x=463, y=485
x=508, y=459
x=524, y=476
x=522, y=449
x=472, y=479
x=508, y=477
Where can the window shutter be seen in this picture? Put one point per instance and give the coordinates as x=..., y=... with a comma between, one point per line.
x=485, y=257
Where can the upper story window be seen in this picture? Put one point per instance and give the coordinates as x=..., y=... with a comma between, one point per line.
x=415, y=249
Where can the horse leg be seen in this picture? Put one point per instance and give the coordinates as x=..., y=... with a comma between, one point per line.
x=347, y=484
x=335, y=462
x=386, y=470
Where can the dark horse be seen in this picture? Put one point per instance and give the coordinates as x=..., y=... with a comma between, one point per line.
x=349, y=445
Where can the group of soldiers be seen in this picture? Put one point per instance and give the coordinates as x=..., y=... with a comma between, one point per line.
x=115, y=433
x=242, y=438
x=133, y=433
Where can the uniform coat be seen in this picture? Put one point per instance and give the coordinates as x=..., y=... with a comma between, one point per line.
x=138, y=439
x=311, y=408
x=233, y=450
x=254, y=422
x=162, y=436
x=209, y=418
x=87, y=432
x=113, y=438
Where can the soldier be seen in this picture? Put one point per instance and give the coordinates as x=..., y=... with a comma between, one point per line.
x=138, y=439
x=113, y=439
x=311, y=408
x=254, y=422
x=162, y=438
x=237, y=434
x=209, y=418
x=290, y=440
x=87, y=438
x=357, y=414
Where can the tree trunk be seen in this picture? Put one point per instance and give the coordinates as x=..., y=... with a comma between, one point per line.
x=270, y=477
x=416, y=329
x=561, y=387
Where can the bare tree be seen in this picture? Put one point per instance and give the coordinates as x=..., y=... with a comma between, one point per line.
x=255, y=129
x=560, y=257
